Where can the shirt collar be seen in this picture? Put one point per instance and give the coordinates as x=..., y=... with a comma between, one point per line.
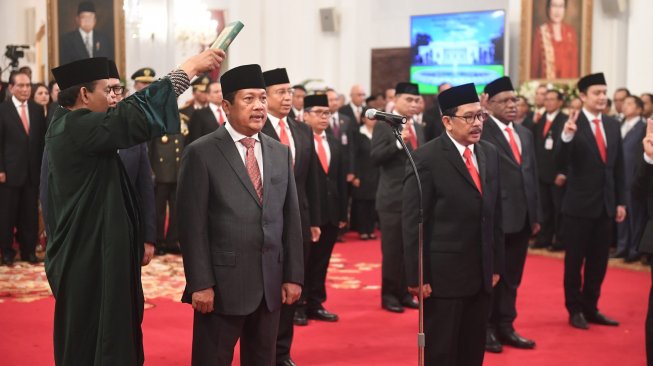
x=237, y=136
x=17, y=102
x=590, y=116
x=461, y=148
x=81, y=31
x=502, y=126
x=275, y=121
x=321, y=135
x=632, y=121
x=552, y=116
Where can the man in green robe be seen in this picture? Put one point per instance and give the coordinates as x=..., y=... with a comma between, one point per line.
x=96, y=247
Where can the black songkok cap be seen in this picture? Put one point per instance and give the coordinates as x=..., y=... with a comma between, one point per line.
x=242, y=77
x=201, y=83
x=589, y=80
x=86, y=6
x=81, y=71
x=316, y=100
x=144, y=75
x=497, y=86
x=407, y=88
x=457, y=96
x=276, y=76
x=113, y=69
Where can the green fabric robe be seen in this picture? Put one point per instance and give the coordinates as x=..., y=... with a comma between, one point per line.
x=95, y=246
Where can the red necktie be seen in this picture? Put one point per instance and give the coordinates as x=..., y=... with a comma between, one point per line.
x=600, y=141
x=472, y=169
x=537, y=116
x=513, y=145
x=283, y=135
x=411, y=136
x=321, y=153
x=221, y=119
x=252, y=166
x=23, y=117
x=547, y=126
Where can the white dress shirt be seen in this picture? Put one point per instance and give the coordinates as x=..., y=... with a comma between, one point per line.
x=17, y=104
x=567, y=137
x=217, y=112
x=275, y=123
x=628, y=125
x=88, y=36
x=461, y=151
x=242, y=150
x=325, y=143
x=503, y=127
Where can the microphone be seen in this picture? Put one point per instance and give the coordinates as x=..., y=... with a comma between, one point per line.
x=392, y=119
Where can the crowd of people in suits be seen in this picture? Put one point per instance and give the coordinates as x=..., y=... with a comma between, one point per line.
x=494, y=170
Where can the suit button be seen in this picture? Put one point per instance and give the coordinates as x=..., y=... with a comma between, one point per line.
x=176, y=142
x=177, y=158
x=177, y=150
x=161, y=160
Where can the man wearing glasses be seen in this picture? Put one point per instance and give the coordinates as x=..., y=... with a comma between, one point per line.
x=520, y=197
x=463, y=240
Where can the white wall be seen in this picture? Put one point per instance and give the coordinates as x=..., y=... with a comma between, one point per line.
x=286, y=33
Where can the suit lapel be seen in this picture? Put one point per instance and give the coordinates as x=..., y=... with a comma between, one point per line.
x=586, y=130
x=16, y=117
x=452, y=154
x=266, y=152
x=611, y=137
x=79, y=44
x=482, y=163
x=500, y=139
x=230, y=152
x=268, y=129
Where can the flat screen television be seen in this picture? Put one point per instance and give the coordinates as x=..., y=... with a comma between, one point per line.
x=457, y=48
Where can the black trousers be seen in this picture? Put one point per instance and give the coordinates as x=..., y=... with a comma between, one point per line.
x=586, y=240
x=316, y=269
x=455, y=330
x=649, y=323
x=504, y=296
x=19, y=212
x=393, y=275
x=551, y=200
x=165, y=198
x=364, y=214
x=215, y=336
x=286, y=325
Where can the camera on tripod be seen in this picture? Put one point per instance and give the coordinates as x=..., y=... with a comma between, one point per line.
x=14, y=53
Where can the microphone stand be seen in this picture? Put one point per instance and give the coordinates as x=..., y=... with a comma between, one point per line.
x=421, y=340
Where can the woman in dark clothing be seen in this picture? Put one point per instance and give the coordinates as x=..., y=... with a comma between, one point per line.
x=367, y=178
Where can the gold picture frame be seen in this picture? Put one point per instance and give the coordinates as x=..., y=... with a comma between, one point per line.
x=539, y=45
x=110, y=20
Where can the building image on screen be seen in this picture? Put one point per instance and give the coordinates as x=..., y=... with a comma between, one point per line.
x=457, y=48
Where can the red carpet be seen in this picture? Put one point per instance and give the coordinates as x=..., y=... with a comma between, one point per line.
x=366, y=335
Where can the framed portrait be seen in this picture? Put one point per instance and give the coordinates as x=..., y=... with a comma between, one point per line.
x=81, y=29
x=556, y=39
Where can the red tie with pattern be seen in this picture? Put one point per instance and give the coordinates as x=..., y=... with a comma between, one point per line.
x=513, y=145
x=252, y=166
x=472, y=169
x=600, y=141
x=547, y=126
x=283, y=135
x=321, y=153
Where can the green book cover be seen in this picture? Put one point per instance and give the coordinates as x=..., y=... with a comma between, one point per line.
x=227, y=35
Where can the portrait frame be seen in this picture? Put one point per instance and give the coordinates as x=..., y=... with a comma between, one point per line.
x=580, y=20
x=58, y=26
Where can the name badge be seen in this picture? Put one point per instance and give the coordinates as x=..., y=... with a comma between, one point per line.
x=548, y=144
x=343, y=139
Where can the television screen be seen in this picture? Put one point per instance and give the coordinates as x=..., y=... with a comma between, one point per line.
x=457, y=48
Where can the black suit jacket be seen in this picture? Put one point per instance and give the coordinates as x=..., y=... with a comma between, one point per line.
x=392, y=166
x=137, y=164
x=593, y=187
x=546, y=163
x=333, y=186
x=366, y=171
x=345, y=137
x=347, y=111
x=72, y=47
x=231, y=241
x=20, y=153
x=519, y=183
x=463, y=239
x=305, y=169
x=633, y=150
x=643, y=192
x=433, y=126
x=202, y=122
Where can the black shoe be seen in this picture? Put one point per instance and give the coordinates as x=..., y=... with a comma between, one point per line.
x=288, y=362
x=540, y=246
x=492, y=344
x=577, y=320
x=601, y=319
x=8, y=260
x=321, y=314
x=618, y=254
x=409, y=302
x=300, y=318
x=632, y=258
x=160, y=251
x=512, y=338
x=392, y=306
x=372, y=236
x=31, y=259
x=173, y=249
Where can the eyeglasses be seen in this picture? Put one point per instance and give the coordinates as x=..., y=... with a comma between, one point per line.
x=117, y=89
x=282, y=92
x=470, y=118
x=326, y=114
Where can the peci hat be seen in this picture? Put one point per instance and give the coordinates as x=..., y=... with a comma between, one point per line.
x=316, y=100
x=242, y=77
x=407, y=88
x=589, y=80
x=497, y=86
x=81, y=71
x=457, y=96
x=276, y=76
